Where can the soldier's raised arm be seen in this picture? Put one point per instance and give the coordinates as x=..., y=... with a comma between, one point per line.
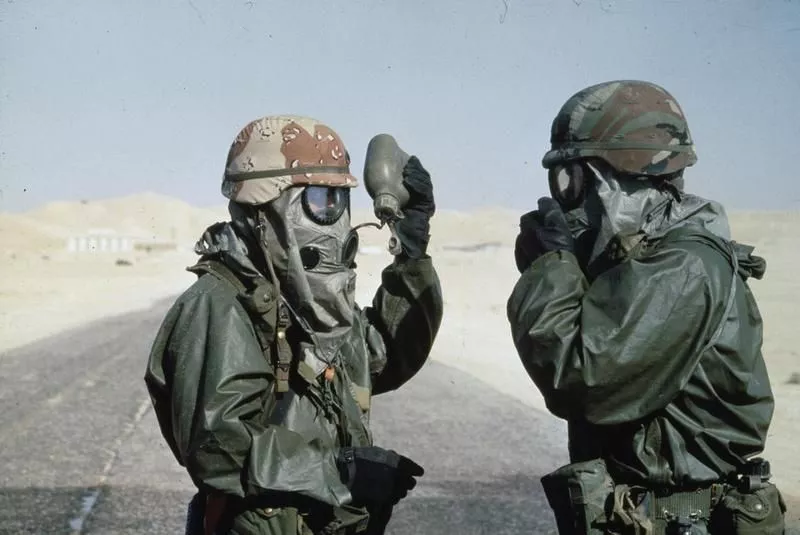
x=407, y=308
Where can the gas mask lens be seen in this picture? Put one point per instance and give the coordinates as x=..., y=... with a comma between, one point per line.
x=567, y=184
x=350, y=248
x=324, y=205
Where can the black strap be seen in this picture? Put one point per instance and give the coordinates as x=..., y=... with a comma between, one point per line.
x=282, y=349
x=289, y=171
x=631, y=145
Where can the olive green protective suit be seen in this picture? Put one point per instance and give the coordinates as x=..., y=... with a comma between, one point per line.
x=656, y=363
x=274, y=454
x=634, y=318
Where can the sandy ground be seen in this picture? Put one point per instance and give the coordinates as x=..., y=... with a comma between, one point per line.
x=45, y=290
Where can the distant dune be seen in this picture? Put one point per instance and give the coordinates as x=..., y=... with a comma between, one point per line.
x=153, y=217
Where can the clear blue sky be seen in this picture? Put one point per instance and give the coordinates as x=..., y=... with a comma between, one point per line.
x=107, y=98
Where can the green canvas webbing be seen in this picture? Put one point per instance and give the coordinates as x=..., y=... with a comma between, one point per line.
x=269, y=315
x=271, y=319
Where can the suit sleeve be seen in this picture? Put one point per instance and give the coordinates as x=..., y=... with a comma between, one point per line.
x=406, y=312
x=620, y=348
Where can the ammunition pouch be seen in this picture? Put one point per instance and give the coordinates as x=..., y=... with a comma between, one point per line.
x=581, y=496
x=586, y=500
x=753, y=506
x=290, y=520
x=347, y=520
x=759, y=512
x=289, y=514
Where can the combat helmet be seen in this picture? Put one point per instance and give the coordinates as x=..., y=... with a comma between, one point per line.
x=636, y=127
x=274, y=153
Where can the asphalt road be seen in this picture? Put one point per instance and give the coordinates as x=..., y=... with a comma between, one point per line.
x=80, y=450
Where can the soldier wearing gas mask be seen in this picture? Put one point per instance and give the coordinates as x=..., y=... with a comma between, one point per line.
x=262, y=372
x=634, y=318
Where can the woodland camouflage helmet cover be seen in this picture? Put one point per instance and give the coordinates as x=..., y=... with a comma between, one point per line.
x=636, y=127
x=274, y=153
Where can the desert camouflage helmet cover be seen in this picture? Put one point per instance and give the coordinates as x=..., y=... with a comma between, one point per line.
x=637, y=127
x=277, y=152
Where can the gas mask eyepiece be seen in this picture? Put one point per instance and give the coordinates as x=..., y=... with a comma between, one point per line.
x=325, y=205
x=350, y=248
x=568, y=182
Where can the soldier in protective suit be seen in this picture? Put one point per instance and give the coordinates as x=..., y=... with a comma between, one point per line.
x=262, y=371
x=634, y=318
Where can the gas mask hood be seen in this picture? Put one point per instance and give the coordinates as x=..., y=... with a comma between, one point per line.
x=609, y=213
x=606, y=214
x=305, y=234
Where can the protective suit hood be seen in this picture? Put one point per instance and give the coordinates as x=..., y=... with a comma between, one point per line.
x=322, y=298
x=620, y=211
x=230, y=245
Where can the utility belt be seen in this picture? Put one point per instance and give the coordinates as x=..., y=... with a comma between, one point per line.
x=586, y=500
x=212, y=514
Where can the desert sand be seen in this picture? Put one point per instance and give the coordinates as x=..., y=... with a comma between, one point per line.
x=46, y=289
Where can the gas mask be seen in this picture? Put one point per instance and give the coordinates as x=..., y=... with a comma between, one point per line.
x=568, y=184
x=325, y=208
x=306, y=238
x=606, y=211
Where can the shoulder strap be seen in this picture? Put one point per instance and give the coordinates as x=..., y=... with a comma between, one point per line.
x=266, y=309
x=283, y=350
x=220, y=270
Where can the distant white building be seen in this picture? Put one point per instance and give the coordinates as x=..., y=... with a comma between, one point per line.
x=100, y=241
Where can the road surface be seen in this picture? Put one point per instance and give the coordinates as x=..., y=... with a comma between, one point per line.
x=80, y=449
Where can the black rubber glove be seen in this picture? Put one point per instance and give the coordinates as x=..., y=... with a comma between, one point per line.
x=413, y=230
x=376, y=476
x=542, y=231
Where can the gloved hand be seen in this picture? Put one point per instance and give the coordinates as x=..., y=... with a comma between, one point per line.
x=413, y=230
x=376, y=476
x=542, y=231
